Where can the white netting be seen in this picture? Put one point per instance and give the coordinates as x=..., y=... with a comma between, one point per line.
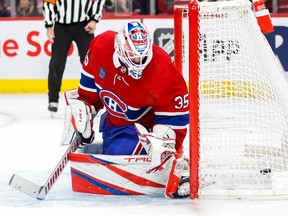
x=243, y=105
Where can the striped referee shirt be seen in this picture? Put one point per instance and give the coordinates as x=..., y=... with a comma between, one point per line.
x=71, y=11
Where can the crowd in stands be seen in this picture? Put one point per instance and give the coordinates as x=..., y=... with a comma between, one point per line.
x=33, y=8
x=26, y=8
x=141, y=7
x=4, y=10
x=23, y=8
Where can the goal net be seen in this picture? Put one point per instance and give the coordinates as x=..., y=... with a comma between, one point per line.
x=238, y=131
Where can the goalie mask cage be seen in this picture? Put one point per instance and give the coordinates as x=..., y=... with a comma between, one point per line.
x=238, y=131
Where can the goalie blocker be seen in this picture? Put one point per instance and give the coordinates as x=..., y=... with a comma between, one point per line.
x=79, y=116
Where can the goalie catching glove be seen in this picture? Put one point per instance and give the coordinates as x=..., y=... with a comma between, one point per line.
x=159, y=145
x=79, y=117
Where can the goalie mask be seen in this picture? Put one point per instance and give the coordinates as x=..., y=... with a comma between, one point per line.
x=133, y=44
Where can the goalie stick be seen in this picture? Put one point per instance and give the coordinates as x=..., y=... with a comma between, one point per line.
x=40, y=191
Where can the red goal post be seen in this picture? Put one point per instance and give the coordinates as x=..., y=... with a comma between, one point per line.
x=238, y=131
x=185, y=10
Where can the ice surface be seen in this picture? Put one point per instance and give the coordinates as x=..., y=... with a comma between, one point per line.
x=29, y=140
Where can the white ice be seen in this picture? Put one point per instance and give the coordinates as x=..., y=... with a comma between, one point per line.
x=29, y=140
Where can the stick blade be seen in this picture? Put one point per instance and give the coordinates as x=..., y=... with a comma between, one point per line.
x=22, y=184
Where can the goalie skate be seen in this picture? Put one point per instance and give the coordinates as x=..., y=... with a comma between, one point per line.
x=183, y=190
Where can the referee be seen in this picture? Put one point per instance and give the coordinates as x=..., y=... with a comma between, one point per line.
x=67, y=21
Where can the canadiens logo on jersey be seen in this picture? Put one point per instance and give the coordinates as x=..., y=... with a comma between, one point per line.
x=116, y=107
x=102, y=73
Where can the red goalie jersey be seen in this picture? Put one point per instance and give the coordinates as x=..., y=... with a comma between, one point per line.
x=160, y=96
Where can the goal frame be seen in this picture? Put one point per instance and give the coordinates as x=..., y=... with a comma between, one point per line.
x=242, y=159
x=193, y=10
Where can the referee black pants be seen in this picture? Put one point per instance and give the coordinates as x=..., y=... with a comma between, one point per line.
x=65, y=34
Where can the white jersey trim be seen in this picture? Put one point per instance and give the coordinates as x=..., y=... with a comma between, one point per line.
x=87, y=89
x=85, y=73
x=171, y=113
x=177, y=127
